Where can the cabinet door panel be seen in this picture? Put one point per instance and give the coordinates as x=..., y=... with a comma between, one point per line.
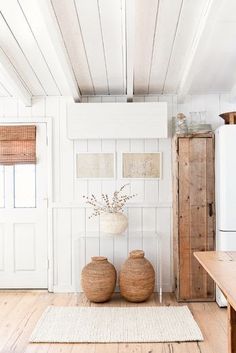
x=197, y=150
x=210, y=190
x=184, y=275
x=196, y=218
x=184, y=220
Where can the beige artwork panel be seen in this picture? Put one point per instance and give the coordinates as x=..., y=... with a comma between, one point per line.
x=141, y=165
x=95, y=165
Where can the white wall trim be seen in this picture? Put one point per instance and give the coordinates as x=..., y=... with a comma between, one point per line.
x=64, y=289
x=135, y=205
x=50, y=210
x=167, y=288
x=25, y=120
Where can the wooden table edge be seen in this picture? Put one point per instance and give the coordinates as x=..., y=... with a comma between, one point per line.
x=231, y=311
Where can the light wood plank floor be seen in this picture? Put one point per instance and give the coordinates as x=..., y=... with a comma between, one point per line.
x=20, y=311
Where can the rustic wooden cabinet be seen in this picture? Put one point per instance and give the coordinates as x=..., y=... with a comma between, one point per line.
x=194, y=214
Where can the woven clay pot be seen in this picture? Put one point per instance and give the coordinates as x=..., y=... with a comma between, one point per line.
x=137, y=277
x=98, y=279
x=113, y=223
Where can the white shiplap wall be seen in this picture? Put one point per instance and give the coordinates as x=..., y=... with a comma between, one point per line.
x=151, y=210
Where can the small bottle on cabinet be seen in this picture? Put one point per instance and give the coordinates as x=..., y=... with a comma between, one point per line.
x=181, y=124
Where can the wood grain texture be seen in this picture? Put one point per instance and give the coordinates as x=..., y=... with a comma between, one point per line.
x=184, y=220
x=194, y=218
x=221, y=266
x=231, y=329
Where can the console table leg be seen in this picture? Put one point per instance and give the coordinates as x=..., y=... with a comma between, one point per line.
x=231, y=329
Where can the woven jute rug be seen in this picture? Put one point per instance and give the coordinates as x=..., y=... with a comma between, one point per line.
x=116, y=324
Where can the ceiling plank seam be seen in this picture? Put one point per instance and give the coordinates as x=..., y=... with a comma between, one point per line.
x=36, y=41
x=153, y=44
x=188, y=74
x=103, y=46
x=10, y=76
x=84, y=47
x=57, y=39
x=172, y=46
x=23, y=53
x=129, y=22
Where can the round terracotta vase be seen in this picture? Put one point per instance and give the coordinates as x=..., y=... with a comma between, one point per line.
x=98, y=279
x=137, y=277
x=113, y=223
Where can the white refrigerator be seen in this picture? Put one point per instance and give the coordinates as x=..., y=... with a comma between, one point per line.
x=225, y=174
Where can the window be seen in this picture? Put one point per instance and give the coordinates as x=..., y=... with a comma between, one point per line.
x=24, y=185
x=17, y=144
x=18, y=186
x=17, y=166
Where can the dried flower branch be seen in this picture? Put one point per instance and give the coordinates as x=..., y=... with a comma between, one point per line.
x=116, y=204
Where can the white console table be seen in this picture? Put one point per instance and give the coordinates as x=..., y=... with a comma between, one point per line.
x=143, y=240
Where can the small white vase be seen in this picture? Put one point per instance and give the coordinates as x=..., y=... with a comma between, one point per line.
x=113, y=223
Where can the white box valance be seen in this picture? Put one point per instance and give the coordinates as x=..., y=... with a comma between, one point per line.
x=117, y=120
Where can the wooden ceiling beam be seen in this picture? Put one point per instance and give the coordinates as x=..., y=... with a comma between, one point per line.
x=209, y=10
x=129, y=38
x=11, y=79
x=55, y=34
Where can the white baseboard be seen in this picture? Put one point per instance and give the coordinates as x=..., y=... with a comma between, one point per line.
x=167, y=287
x=64, y=289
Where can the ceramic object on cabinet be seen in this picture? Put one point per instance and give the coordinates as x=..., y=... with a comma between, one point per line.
x=113, y=223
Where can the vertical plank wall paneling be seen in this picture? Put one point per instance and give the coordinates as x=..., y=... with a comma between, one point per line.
x=151, y=210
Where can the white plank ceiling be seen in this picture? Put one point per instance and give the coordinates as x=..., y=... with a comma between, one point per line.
x=116, y=47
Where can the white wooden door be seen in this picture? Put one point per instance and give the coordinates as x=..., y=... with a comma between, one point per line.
x=23, y=221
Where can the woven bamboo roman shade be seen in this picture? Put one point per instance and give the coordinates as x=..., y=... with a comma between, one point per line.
x=17, y=144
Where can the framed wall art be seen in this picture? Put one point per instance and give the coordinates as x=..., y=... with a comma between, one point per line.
x=144, y=165
x=95, y=165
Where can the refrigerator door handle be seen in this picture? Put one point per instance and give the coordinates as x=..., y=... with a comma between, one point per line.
x=210, y=209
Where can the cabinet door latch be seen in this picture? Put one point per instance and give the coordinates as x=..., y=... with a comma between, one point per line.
x=210, y=209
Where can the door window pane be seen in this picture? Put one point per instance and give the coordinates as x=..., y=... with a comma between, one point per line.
x=2, y=186
x=25, y=185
